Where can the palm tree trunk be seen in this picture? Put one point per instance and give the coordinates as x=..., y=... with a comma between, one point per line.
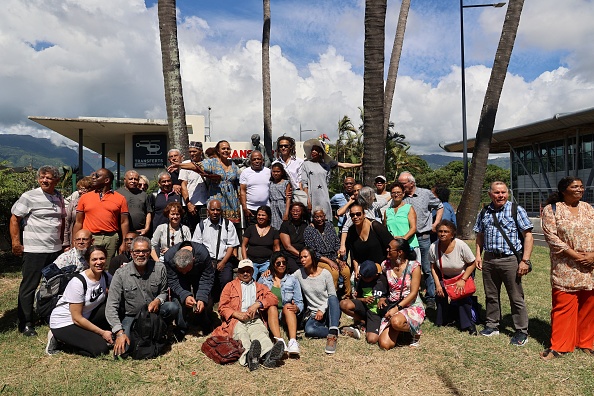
x=394, y=62
x=471, y=196
x=174, y=96
x=266, y=93
x=374, y=143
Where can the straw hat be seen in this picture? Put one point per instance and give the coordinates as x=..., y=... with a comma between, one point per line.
x=309, y=144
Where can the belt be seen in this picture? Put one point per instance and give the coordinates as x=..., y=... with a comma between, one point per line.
x=105, y=233
x=423, y=235
x=498, y=254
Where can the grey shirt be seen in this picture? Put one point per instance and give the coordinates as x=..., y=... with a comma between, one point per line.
x=423, y=201
x=210, y=237
x=316, y=289
x=125, y=286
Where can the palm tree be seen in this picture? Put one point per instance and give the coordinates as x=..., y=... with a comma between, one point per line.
x=266, y=93
x=373, y=89
x=472, y=190
x=174, y=96
x=395, y=61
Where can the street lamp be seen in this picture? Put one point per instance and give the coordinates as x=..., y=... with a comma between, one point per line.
x=304, y=130
x=464, y=131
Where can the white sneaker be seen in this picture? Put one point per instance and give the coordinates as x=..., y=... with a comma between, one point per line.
x=293, y=348
x=52, y=344
x=416, y=341
x=278, y=339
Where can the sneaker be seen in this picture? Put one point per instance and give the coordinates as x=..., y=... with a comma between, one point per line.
x=431, y=304
x=29, y=331
x=253, y=355
x=283, y=341
x=416, y=341
x=351, y=332
x=519, y=339
x=274, y=355
x=489, y=331
x=331, y=344
x=293, y=348
x=52, y=344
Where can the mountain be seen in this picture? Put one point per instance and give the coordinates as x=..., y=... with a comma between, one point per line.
x=437, y=161
x=25, y=150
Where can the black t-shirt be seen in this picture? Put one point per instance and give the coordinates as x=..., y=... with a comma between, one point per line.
x=260, y=248
x=377, y=287
x=294, y=233
x=374, y=248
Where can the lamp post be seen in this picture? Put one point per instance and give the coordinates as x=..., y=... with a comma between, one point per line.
x=304, y=130
x=464, y=130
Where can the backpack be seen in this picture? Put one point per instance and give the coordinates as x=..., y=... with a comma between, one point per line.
x=148, y=335
x=53, y=283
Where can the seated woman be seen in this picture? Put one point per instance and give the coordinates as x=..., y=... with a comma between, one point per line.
x=321, y=237
x=323, y=311
x=290, y=301
x=449, y=257
x=405, y=311
x=171, y=233
x=291, y=235
x=79, y=317
x=259, y=241
x=372, y=290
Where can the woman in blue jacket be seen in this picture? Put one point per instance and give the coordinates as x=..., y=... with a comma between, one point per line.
x=290, y=301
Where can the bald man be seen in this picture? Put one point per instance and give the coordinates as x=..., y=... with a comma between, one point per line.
x=75, y=256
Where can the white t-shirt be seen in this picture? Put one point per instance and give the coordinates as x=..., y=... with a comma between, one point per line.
x=197, y=191
x=453, y=263
x=96, y=294
x=257, y=187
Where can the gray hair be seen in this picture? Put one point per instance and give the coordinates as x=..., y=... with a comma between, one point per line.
x=173, y=150
x=211, y=201
x=368, y=195
x=164, y=173
x=408, y=176
x=183, y=258
x=141, y=239
x=48, y=169
x=317, y=208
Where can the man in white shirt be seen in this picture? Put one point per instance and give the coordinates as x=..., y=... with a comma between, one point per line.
x=219, y=237
x=194, y=190
x=254, y=187
x=75, y=256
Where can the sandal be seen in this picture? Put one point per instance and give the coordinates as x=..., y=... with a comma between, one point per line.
x=587, y=351
x=550, y=354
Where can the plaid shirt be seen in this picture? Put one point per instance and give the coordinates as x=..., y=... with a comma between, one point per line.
x=493, y=240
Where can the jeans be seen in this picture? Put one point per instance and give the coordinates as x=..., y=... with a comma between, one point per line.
x=424, y=246
x=259, y=269
x=320, y=328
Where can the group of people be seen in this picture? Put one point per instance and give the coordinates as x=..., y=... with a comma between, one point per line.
x=296, y=270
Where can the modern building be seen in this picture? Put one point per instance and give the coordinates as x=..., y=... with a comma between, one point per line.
x=543, y=152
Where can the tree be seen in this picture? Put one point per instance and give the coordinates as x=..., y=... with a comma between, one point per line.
x=394, y=62
x=266, y=92
x=472, y=190
x=174, y=97
x=374, y=143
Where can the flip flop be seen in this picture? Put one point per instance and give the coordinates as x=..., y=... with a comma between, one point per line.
x=550, y=354
x=587, y=351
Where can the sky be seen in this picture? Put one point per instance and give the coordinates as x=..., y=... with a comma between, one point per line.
x=101, y=58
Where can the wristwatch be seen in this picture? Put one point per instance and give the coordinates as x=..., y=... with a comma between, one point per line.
x=527, y=262
x=399, y=307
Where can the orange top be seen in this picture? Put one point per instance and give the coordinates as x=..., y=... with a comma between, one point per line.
x=102, y=213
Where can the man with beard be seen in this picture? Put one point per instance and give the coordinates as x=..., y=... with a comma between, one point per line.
x=75, y=256
x=125, y=256
x=139, y=207
x=136, y=284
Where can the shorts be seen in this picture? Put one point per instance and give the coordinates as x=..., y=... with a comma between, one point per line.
x=372, y=320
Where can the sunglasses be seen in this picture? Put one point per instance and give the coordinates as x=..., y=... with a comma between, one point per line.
x=356, y=214
x=280, y=264
x=284, y=146
x=243, y=270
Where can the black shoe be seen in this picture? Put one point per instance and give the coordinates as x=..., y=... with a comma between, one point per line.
x=29, y=331
x=178, y=335
x=431, y=304
x=274, y=355
x=472, y=330
x=253, y=355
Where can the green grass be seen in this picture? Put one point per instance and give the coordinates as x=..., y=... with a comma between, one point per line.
x=447, y=362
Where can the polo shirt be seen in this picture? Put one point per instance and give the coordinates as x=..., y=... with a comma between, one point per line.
x=102, y=211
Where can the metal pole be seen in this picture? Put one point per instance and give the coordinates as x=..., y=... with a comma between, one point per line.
x=464, y=129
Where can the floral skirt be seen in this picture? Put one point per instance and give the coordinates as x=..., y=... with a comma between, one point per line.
x=415, y=316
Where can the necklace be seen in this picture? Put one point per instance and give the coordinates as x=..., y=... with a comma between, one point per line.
x=263, y=232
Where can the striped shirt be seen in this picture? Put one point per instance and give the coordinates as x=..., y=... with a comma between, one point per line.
x=493, y=240
x=42, y=216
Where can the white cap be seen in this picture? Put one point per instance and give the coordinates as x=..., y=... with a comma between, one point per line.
x=245, y=263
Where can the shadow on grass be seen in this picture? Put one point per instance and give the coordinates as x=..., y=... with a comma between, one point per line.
x=8, y=321
x=448, y=383
x=538, y=329
x=9, y=263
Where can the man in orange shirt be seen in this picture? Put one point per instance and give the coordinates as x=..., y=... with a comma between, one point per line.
x=103, y=212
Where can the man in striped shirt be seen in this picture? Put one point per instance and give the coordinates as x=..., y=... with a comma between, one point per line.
x=40, y=213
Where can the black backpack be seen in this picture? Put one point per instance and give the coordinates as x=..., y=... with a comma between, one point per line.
x=148, y=335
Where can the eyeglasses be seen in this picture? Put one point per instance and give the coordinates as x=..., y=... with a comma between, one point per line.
x=82, y=239
x=128, y=239
x=143, y=251
x=397, y=193
x=280, y=263
x=355, y=214
x=243, y=270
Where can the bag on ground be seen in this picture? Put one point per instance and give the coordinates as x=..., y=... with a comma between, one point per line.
x=222, y=349
x=148, y=335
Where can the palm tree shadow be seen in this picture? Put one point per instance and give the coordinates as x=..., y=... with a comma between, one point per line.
x=448, y=383
x=538, y=329
x=8, y=320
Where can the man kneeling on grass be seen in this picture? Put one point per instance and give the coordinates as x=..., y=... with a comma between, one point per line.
x=242, y=301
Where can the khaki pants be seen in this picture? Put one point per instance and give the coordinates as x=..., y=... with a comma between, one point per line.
x=110, y=242
x=246, y=332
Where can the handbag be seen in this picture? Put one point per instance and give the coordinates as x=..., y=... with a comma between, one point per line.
x=222, y=349
x=450, y=284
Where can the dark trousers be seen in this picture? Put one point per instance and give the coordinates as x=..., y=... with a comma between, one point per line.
x=459, y=310
x=33, y=263
x=498, y=271
x=222, y=277
x=85, y=342
x=192, y=220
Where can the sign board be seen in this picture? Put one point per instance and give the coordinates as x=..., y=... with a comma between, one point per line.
x=149, y=151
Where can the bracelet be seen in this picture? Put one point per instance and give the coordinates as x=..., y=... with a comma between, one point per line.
x=120, y=334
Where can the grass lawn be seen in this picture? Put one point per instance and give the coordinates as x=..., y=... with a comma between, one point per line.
x=447, y=362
